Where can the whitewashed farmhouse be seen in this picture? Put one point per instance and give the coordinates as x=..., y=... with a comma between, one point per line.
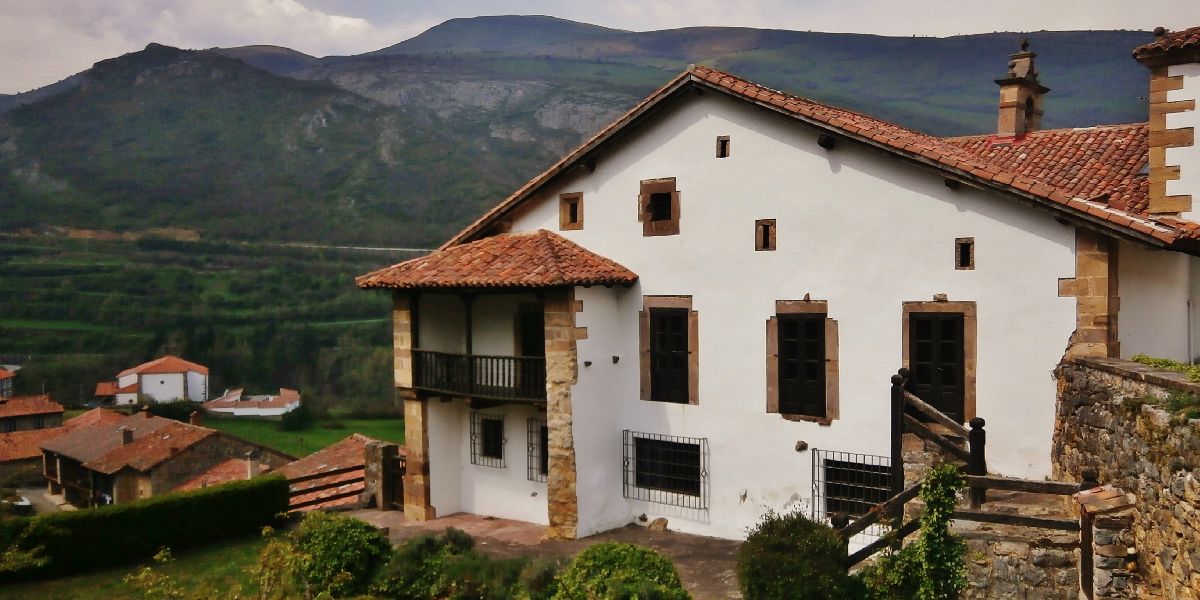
x=235, y=403
x=689, y=314
x=160, y=380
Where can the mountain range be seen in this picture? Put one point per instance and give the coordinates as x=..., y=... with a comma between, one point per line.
x=403, y=145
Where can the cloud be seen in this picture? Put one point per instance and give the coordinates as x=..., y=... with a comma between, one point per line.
x=46, y=40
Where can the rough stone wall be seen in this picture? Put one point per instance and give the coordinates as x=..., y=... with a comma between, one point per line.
x=1010, y=563
x=204, y=455
x=1105, y=422
x=561, y=375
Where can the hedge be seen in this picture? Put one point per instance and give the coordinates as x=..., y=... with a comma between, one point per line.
x=72, y=542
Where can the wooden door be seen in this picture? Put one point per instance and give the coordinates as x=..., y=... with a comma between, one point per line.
x=936, y=358
x=802, y=364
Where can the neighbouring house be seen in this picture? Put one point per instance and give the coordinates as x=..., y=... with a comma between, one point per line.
x=696, y=313
x=22, y=413
x=235, y=403
x=332, y=476
x=25, y=421
x=6, y=382
x=139, y=456
x=160, y=380
x=21, y=452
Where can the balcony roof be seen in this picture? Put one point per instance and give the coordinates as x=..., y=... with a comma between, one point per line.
x=534, y=259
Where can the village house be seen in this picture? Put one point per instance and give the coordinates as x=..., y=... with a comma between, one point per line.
x=695, y=314
x=160, y=380
x=237, y=404
x=138, y=456
x=26, y=422
x=6, y=382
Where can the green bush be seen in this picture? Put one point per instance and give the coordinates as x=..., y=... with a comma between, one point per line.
x=299, y=419
x=790, y=556
x=71, y=542
x=414, y=571
x=341, y=554
x=179, y=410
x=615, y=570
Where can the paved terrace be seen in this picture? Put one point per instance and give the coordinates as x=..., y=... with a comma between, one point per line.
x=708, y=566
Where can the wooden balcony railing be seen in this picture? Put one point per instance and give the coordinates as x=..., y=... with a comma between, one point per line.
x=513, y=378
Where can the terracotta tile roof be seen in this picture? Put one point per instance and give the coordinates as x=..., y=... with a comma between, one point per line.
x=166, y=364
x=232, y=469
x=1085, y=162
x=25, y=445
x=235, y=399
x=149, y=450
x=527, y=260
x=944, y=155
x=329, y=477
x=20, y=406
x=344, y=454
x=1170, y=42
x=96, y=416
x=92, y=442
x=5, y=374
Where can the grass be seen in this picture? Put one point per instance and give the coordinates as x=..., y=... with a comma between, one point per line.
x=220, y=567
x=53, y=325
x=320, y=435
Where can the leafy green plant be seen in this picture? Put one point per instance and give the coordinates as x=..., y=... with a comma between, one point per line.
x=341, y=554
x=933, y=566
x=616, y=570
x=1166, y=364
x=154, y=585
x=1179, y=401
x=791, y=556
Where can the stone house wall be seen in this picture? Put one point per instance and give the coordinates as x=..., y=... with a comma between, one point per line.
x=206, y=454
x=1107, y=419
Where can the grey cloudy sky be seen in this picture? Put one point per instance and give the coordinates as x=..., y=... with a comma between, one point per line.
x=43, y=41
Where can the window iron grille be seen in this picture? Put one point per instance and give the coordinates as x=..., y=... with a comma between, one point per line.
x=666, y=469
x=537, y=440
x=487, y=440
x=850, y=483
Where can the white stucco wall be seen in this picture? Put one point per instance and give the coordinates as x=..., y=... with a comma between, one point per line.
x=1156, y=295
x=161, y=387
x=1187, y=158
x=856, y=228
x=127, y=380
x=457, y=485
x=447, y=312
x=197, y=386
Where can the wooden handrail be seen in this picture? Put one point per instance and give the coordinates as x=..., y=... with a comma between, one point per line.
x=456, y=354
x=879, y=511
x=1033, y=486
x=919, y=428
x=891, y=537
x=935, y=414
x=1019, y=520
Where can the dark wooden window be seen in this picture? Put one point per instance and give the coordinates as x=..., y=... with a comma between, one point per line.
x=658, y=207
x=487, y=439
x=802, y=364
x=723, y=146
x=764, y=234
x=570, y=211
x=39, y=422
x=538, y=455
x=669, y=355
x=9, y=425
x=855, y=487
x=936, y=360
x=964, y=254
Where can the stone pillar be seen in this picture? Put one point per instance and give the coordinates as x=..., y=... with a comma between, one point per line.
x=416, y=447
x=1096, y=296
x=402, y=339
x=561, y=375
x=1106, y=516
x=379, y=477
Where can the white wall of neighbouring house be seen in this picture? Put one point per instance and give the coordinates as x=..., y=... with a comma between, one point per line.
x=162, y=387
x=441, y=324
x=197, y=386
x=857, y=228
x=126, y=398
x=1156, y=298
x=1187, y=158
x=127, y=380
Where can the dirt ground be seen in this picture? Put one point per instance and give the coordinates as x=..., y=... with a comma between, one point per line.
x=707, y=566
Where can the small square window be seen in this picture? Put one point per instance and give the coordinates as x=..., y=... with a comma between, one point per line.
x=660, y=206
x=570, y=211
x=764, y=234
x=666, y=469
x=964, y=254
x=487, y=440
x=537, y=438
x=723, y=146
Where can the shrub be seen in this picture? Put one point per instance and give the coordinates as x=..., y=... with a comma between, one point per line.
x=299, y=419
x=416, y=568
x=790, y=556
x=615, y=570
x=340, y=554
x=179, y=410
x=70, y=542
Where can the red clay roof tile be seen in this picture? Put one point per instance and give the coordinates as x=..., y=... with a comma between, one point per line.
x=1177, y=40
x=20, y=406
x=166, y=364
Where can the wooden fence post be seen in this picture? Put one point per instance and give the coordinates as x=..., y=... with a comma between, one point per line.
x=977, y=439
x=898, y=442
x=1086, y=562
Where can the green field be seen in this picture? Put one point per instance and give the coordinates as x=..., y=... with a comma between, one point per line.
x=220, y=567
x=320, y=435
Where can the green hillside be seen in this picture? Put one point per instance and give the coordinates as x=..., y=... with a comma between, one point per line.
x=195, y=140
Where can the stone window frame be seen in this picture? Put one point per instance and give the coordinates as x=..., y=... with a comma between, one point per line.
x=769, y=245
x=726, y=146
x=832, y=395
x=970, y=342
x=958, y=263
x=693, y=321
x=658, y=186
x=565, y=201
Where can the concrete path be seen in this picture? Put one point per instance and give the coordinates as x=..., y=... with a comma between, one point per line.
x=37, y=497
x=707, y=566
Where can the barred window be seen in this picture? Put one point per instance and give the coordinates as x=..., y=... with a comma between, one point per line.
x=666, y=469
x=854, y=487
x=537, y=439
x=487, y=439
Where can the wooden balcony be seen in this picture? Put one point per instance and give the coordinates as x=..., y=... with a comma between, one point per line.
x=507, y=378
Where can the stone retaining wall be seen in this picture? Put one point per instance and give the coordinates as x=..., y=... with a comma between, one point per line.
x=1107, y=419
